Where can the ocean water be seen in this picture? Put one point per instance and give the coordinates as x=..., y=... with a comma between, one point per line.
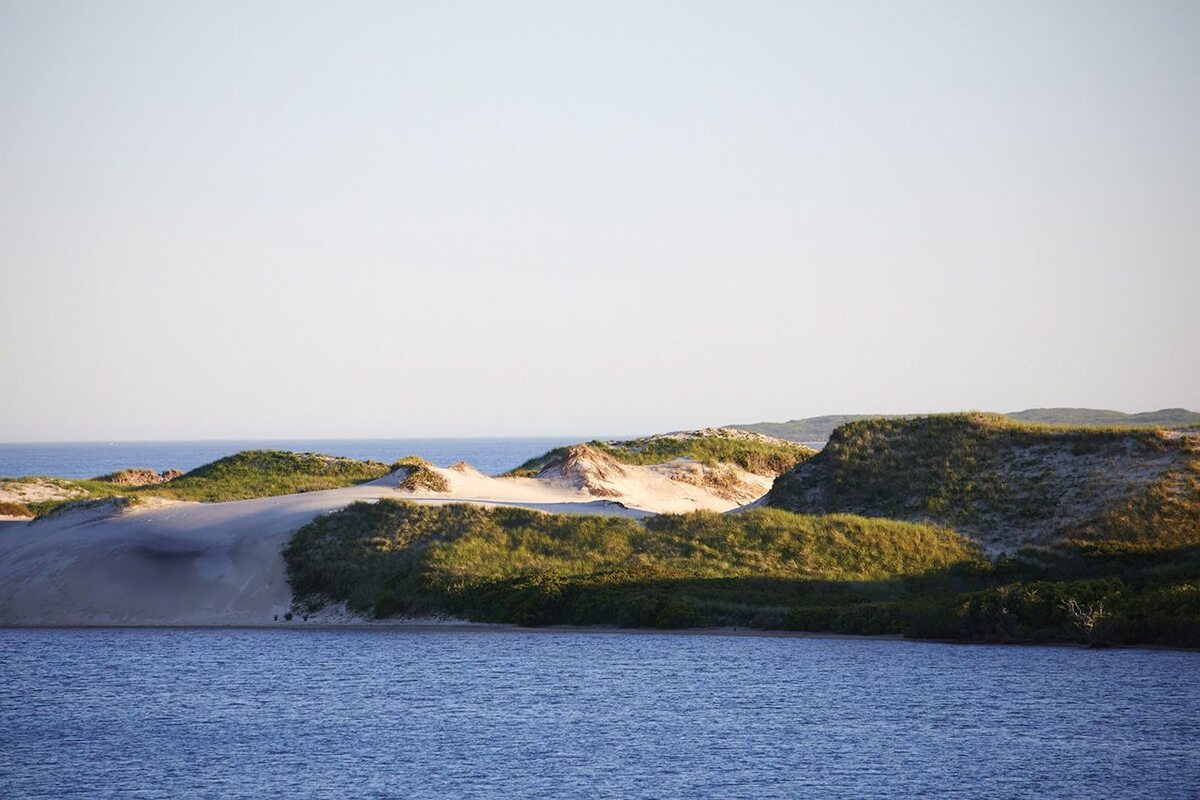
x=89, y=459
x=350, y=713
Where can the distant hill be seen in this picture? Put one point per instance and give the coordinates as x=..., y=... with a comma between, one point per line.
x=809, y=429
x=818, y=429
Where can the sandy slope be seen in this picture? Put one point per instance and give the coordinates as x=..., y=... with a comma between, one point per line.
x=674, y=487
x=219, y=563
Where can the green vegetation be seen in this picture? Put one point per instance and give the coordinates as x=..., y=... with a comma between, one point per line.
x=764, y=568
x=242, y=476
x=420, y=475
x=265, y=473
x=1108, y=593
x=392, y=557
x=819, y=429
x=754, y=455
x=115, y=502
x=1001, y=481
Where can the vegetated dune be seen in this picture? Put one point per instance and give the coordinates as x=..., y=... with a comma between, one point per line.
x=35, y=490
x=713, y=468
x=1006, y=484
x=166, y=561
x=678, y=485
x=674, y=570
x=764, y=568
x=241, y=476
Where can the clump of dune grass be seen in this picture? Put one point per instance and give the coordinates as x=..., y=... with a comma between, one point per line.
x=8, y=509
x=752, y=455
x=421, y=476
x=113, y=503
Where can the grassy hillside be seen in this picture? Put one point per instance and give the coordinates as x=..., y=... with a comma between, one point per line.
x=765, y=568
x=245, y=475
x=391, y=557
x=1002, y=482
x=753, y=454
x=264, y=473
x=819, y=429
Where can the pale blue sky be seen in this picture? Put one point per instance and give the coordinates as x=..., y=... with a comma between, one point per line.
x=391, y=219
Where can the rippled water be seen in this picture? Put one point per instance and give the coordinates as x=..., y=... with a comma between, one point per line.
x=331, y=713
x=89, y=459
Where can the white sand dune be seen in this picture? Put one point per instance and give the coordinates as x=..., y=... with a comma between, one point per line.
x=175, y=563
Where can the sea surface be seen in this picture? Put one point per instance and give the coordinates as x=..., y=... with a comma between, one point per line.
x=90, y=459
x=174, y=713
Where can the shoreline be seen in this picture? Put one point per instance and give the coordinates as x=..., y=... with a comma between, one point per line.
x=507, y=628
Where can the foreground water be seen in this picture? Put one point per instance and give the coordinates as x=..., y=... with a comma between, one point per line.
x=90, y=459
x=333, y=713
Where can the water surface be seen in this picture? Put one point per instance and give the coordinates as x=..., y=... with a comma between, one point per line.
x=332, y=713
x=90, y=459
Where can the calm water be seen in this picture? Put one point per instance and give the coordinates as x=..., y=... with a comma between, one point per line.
x=89, y=459
x=253, y=713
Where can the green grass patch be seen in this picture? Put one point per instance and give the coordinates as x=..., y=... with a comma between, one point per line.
x=762, y=458
x=113, y=502
x=265, y=473
x=242, y=476
x=392, y=557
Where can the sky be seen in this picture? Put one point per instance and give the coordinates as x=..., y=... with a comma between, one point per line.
x=357, y=219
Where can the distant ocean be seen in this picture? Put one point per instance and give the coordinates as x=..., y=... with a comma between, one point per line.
x=89, y=459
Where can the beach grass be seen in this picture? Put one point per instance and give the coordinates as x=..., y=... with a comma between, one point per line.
x=420, y=475
x=242, y=476
x=992, y=477
x=752, y=455
x=9, y=509
x=763, y=568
